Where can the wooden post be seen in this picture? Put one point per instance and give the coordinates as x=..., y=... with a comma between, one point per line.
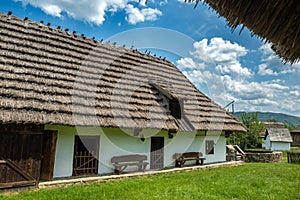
x=48, y=155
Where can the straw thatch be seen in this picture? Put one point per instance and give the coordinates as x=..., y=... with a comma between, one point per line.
x=277, y=132
x=51, y=76
x=276, y=21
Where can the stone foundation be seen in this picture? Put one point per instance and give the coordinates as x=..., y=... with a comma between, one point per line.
x=263, y=157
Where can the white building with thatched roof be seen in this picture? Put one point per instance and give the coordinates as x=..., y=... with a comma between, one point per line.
x=69, y=104
x=277, y=137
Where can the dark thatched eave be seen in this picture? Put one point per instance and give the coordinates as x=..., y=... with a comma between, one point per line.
x=277, y=22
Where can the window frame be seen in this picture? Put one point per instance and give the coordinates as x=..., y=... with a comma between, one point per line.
x=209, y=147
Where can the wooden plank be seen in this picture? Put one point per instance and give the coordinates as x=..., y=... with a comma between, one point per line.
x=128, y=158
x=3, y=170
x=21, y=128
x=16, y=168
x=6, y=140
x=22, y=154
x=48, y=155
x=17, y=184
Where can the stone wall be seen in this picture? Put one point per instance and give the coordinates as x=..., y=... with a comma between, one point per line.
x=263, y=157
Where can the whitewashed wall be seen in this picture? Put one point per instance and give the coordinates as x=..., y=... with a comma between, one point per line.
x=268, y=143
x=277, y=146
x=114, y=142
x=63, y=163
x=191, y=142
x=280, y=146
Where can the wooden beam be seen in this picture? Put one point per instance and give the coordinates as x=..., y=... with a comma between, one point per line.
x=22, y=128
x=48, y=155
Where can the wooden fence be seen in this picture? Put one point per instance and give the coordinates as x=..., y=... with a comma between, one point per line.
x=293, y=157
x=85, y=163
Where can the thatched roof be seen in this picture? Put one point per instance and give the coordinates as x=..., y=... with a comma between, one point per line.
x=51, y=76
x=276, y=21
x=277, y=132
x=296, y=130
x=274, y=124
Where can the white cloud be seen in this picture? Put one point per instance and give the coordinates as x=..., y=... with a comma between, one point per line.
x=219, y=80
x=52, y=10
x=264, y=70
x=224, y=54
x=273, y=65
x=218, y=50
x=274, y=95
x=295, y=93
x=151, y=14
x=186, y=63
x=94, y=11
x=161, y=3
x=135, y=15
x=253, y=90
x=234, y=68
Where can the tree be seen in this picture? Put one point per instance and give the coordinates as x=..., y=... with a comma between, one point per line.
x=252, y=138
x=291, y=128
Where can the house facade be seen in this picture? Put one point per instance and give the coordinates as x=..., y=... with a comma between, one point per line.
x=157, y=146
x=69, y=104
x=277, y=137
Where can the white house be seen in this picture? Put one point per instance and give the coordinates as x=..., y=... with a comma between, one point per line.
x=69, y=104
x=277, y=137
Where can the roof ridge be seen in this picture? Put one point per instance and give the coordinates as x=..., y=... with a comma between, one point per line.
x=10, y=16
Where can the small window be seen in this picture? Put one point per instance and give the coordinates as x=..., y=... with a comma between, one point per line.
x=209, y=147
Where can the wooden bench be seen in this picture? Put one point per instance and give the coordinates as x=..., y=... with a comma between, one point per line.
x=181, y=158
x=122, y=162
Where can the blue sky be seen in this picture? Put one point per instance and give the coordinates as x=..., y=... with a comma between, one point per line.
x=224, y=65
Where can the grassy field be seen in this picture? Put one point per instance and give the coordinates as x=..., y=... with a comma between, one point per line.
x=250, y=181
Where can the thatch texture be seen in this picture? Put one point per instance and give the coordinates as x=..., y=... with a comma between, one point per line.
x=277, y=132
x=276, y=21
x=50, y=76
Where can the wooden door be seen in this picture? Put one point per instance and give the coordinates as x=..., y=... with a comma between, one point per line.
x=85, y=155
x=157, y=153
x=49, y=147
x=20, y=154
x=27, y=152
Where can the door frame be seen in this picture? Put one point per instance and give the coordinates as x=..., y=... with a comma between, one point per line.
x=48, y=156
x=94, y=157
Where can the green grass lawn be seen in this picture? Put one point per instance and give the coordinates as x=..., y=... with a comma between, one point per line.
x=250, y=181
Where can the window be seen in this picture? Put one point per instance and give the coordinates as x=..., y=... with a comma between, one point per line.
x=209, y=147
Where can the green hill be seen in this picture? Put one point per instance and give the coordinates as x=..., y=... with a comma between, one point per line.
x=279, y=117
